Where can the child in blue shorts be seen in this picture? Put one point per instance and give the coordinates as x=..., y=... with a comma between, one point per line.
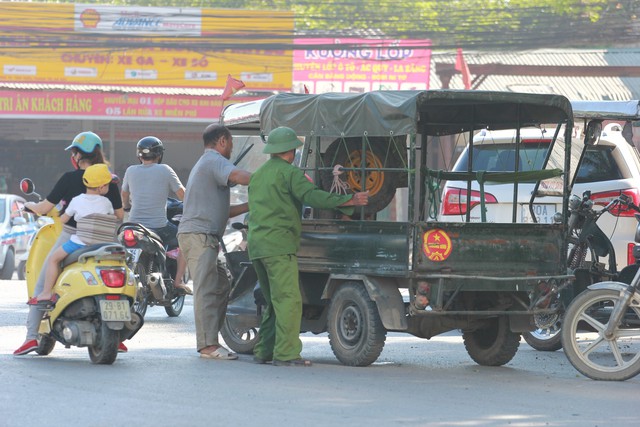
x=96, y=178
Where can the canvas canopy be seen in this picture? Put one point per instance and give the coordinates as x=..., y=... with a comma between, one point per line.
x=384, y=113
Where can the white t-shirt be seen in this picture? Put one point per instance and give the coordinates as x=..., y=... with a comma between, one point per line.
x=87, y=204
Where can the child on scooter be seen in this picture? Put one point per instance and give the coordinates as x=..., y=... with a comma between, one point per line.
x=96, y=178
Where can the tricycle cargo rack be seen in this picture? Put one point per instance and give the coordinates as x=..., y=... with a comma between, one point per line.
x=393, y=266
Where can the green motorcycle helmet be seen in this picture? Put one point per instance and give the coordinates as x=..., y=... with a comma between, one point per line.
x=281, y=140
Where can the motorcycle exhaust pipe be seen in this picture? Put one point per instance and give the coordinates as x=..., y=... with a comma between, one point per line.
x=158, y=288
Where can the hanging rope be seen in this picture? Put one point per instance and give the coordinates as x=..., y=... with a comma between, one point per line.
x=338, y=186
x=433, y=185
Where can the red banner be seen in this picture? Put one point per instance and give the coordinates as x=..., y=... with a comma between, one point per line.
x=107, y=105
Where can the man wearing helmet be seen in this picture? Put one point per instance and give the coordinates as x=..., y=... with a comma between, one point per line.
x=145, y=189
x=277, y=192
x=206, y=212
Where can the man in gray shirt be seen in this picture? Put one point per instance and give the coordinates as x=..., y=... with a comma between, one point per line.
x=145, y=189
x=206, y=212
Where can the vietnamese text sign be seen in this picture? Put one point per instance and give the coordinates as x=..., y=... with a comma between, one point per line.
x=361, y=65
x=144, y=46
x=115, y=106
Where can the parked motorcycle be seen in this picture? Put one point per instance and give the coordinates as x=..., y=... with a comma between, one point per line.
x=95, y=295
x=601, y=327
x=154, y=264
x=592, y=259
x=244, y=310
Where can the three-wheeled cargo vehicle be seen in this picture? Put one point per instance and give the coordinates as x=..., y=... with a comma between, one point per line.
x=393, y=266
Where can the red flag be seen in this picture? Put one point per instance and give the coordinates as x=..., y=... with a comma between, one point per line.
x=233, y=85
x=461, y=66
x=306, y=89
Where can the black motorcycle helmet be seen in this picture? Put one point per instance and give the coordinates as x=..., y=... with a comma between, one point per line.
x=150, y=148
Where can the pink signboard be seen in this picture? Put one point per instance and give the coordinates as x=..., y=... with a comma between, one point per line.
x=22, y=104
x=360, y=65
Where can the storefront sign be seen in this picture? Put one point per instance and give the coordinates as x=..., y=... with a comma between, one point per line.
x=361, y=65
x=144, y=46
x=113, y=106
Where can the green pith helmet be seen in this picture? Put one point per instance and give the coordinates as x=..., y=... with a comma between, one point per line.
x=281, y=140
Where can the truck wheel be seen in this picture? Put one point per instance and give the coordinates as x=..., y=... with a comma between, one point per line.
x=22, y=270
x=6, y=273
x=379, y=154
x=46, y=344
x=240, y=340
x=356, y=333
x=494, y=344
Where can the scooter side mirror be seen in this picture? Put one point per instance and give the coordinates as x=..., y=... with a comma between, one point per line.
x=27, y=186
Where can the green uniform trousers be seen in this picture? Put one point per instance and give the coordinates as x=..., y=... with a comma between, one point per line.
x=279, y=336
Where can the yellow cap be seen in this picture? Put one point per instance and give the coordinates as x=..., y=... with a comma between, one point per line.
x=96, y=176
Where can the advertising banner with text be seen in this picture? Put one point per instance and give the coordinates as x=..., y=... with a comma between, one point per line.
x=361, y=65
x=145, y=46
x=110, y=106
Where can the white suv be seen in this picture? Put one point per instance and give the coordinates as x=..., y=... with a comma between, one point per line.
x=611, y=166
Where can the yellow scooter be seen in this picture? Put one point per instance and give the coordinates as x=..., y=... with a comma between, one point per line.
x=95, y=292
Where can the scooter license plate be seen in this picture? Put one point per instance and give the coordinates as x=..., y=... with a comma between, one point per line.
x=115, y=310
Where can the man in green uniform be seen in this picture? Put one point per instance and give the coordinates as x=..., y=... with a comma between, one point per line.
x=277, y=192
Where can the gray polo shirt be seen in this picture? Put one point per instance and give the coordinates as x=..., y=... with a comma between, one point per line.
x=149, y=186
x=207, y=198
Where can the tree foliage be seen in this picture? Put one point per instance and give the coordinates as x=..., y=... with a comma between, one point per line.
x=481, y=24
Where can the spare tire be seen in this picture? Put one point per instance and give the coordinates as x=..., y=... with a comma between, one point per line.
x=380, y=152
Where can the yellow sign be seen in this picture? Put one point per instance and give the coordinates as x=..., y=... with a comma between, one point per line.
x=138, y=46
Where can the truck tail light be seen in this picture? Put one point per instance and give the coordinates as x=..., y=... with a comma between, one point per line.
x=455, y=201
x=602, y=199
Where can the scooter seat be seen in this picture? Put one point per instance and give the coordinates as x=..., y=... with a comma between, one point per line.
x=74, y=256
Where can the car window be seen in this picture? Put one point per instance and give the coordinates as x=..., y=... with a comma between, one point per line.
x=3, y=209
x=501, y=157
x=598, y=164
x=15, y=209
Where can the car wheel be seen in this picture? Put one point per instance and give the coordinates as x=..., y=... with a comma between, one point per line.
x=6, y=273
x=22, y=270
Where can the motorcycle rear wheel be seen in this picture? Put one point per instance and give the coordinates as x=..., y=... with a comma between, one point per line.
x=545, y=339
x=176, y=306
x=105, y=351
x=240, y=340
x=142, y=296
x=583, y=340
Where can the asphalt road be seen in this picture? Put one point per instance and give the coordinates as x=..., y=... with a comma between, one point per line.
x=161, y=381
